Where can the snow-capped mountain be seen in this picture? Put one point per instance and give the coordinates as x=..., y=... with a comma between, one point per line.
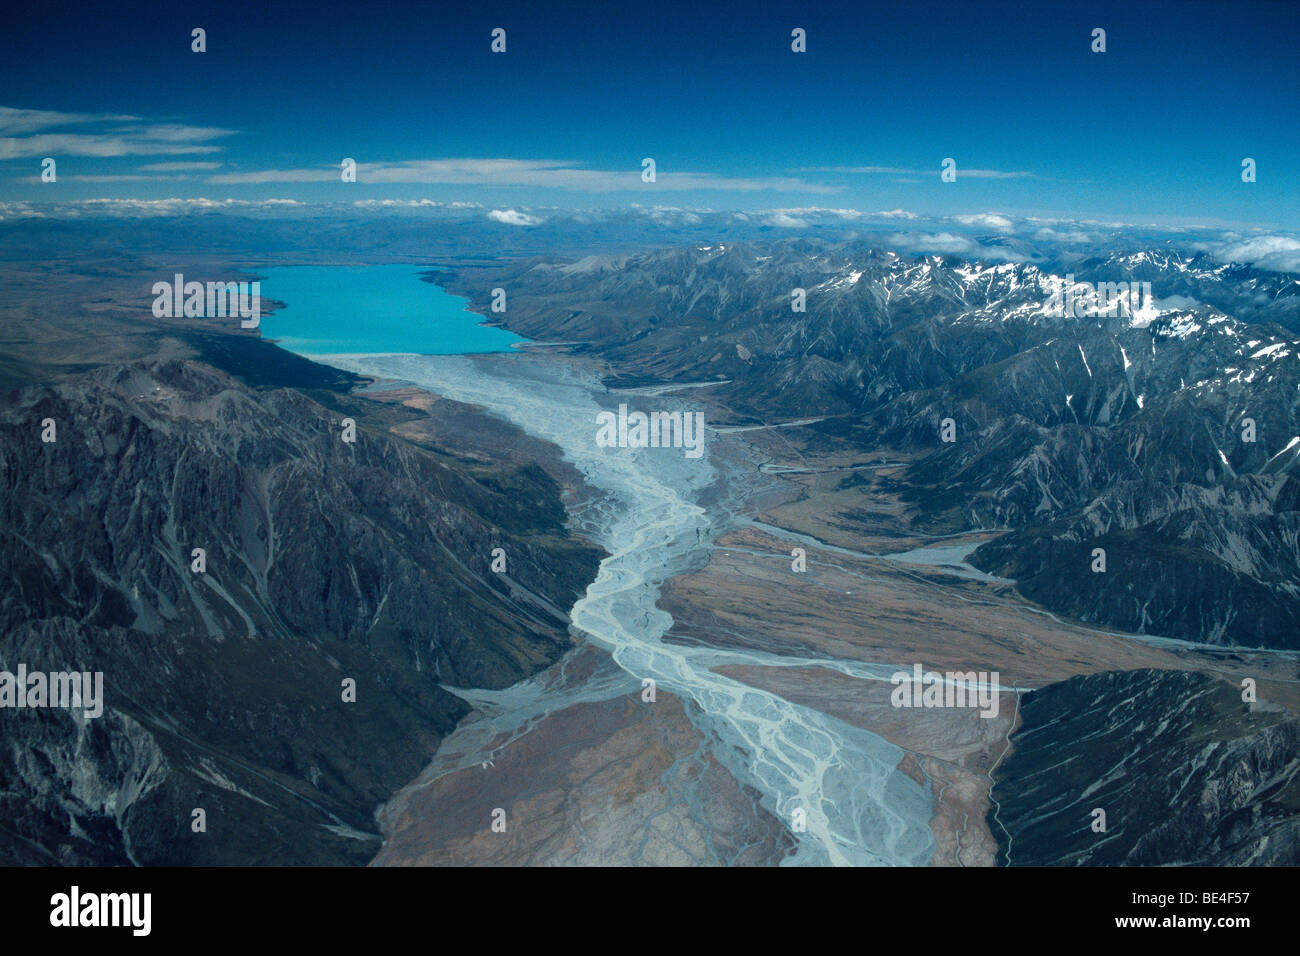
x=1114, y=405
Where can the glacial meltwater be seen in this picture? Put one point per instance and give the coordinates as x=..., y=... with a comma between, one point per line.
x=349, y=309
x=647, y=513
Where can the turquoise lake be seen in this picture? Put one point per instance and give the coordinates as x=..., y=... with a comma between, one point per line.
x=369, y=310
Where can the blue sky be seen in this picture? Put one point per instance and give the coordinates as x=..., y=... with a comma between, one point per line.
x=1152, y=130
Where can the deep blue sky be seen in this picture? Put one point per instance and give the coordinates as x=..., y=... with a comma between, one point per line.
x=1153, y=130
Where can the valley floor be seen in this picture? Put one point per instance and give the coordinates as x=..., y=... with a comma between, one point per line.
x=595, y=776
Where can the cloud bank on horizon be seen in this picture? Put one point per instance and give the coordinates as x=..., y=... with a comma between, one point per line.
x=990, y=237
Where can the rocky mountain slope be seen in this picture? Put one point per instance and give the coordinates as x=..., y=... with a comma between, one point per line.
x=1185, y=772
x=325, y=561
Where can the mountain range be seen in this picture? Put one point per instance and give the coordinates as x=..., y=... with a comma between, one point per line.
x=1163, y=430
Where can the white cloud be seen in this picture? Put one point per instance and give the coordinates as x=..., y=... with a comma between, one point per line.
x=1048, y=234
x=668, y=215
x=513, y=217
x=1276, y=253
x=818, y=211
x=987, y=220
x=21, y=122
x=412, y=204
x=945, y=243
x=25, y=134
x=178, y=167
x=785, y=221
x=75, y=209
x=546, y=173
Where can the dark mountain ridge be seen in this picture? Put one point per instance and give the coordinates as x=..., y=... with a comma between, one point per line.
x=1186, y=773
x=224, y=689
